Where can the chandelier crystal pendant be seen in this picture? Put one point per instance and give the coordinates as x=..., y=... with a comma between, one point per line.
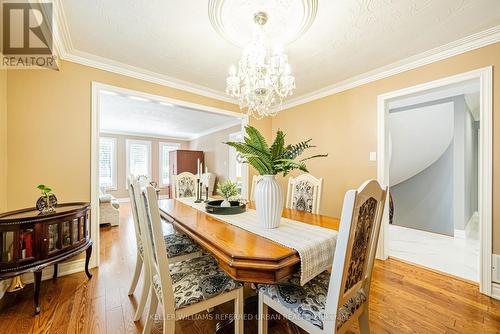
x=263, y=77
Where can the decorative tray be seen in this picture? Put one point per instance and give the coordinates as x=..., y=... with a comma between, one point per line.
x=215, y=208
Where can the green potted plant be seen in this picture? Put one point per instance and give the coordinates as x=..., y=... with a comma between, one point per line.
x=47, y=202
x=269, y=161
x=227, y=190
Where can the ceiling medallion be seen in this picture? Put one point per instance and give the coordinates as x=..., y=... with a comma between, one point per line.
x=263, y=77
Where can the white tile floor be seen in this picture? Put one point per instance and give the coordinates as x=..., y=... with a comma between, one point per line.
x=455, y=256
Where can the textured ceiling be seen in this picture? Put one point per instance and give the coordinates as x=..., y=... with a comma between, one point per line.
x=122, y=114
x=348, y=38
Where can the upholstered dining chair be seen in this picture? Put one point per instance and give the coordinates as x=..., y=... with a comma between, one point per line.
x=255, y=179
x=304, y=193
x=332, y=302
x=184, y=288
x=185, y=185
x=179, y=247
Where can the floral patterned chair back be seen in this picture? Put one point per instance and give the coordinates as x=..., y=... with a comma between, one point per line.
x=304, y=193
x=349, y=285
x=154, y=247
x=185, y=185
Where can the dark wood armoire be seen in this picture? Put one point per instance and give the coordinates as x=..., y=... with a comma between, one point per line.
x=184, y=161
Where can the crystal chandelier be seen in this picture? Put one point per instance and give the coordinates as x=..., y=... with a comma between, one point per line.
x=263, y=78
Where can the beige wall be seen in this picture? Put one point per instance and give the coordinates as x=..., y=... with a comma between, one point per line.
x=344, y=125
x=49, y=124
x=3, y=140
x=121, y=157
x=216, y=152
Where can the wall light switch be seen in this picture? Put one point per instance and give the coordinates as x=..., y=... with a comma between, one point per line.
x=373, y=156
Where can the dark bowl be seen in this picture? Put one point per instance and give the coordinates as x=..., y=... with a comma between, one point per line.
x=215, y=208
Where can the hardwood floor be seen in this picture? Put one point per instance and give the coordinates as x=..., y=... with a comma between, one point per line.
x=403, y=299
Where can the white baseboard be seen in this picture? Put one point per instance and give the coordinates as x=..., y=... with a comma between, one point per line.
x=495, y=268
x=459, y=234
x=495, y=290
x=65, y=268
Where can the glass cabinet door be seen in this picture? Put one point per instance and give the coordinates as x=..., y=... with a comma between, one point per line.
x=66, y=234
x=7, y=246
x=74, y=231
x=53, y=237
x=81, y=222
x=26, y=243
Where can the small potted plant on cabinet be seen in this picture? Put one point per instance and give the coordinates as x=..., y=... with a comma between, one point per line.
x=48, y=201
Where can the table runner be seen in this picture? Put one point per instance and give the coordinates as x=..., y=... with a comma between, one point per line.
x=315, y=244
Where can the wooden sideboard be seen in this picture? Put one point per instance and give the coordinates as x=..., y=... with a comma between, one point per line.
x=31, y=241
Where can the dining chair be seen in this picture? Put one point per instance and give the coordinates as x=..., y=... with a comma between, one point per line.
x=185, y=288
x=185, y=185
x=255, y=179
x=179, y=247
x=304, y=193
x=332, y=302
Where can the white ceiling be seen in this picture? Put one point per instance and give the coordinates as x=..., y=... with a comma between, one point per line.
x=175, y=38
x=126, y=115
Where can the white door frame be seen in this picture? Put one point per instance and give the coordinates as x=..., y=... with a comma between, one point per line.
x=485, y=77
x=94, y=151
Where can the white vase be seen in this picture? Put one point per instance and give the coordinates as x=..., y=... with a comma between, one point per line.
x=269, y=201
x=225, y=203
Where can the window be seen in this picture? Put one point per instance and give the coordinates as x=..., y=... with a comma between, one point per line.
x=107, y=163
x=139, y=158
x=165, y=148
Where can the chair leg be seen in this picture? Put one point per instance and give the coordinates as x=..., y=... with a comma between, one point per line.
x=153, y=305
x=137, y=274
x=238, y=312
x=262, y=316
x=146, y=291
x=364, y=323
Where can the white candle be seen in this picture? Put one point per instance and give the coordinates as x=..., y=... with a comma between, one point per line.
x=206, y=169
x=198, y=168
x=201, y=168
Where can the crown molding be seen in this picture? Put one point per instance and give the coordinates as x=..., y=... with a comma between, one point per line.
x=142, y=74
x=469, y=43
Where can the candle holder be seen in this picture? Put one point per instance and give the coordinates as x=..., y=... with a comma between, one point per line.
x=206, y=194
x=198, y=191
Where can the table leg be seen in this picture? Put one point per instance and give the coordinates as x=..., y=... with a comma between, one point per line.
x=38, y=281
x=88, y=253
x=54, y=276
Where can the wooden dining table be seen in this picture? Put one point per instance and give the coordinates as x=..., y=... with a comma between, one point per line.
x=245, y=256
